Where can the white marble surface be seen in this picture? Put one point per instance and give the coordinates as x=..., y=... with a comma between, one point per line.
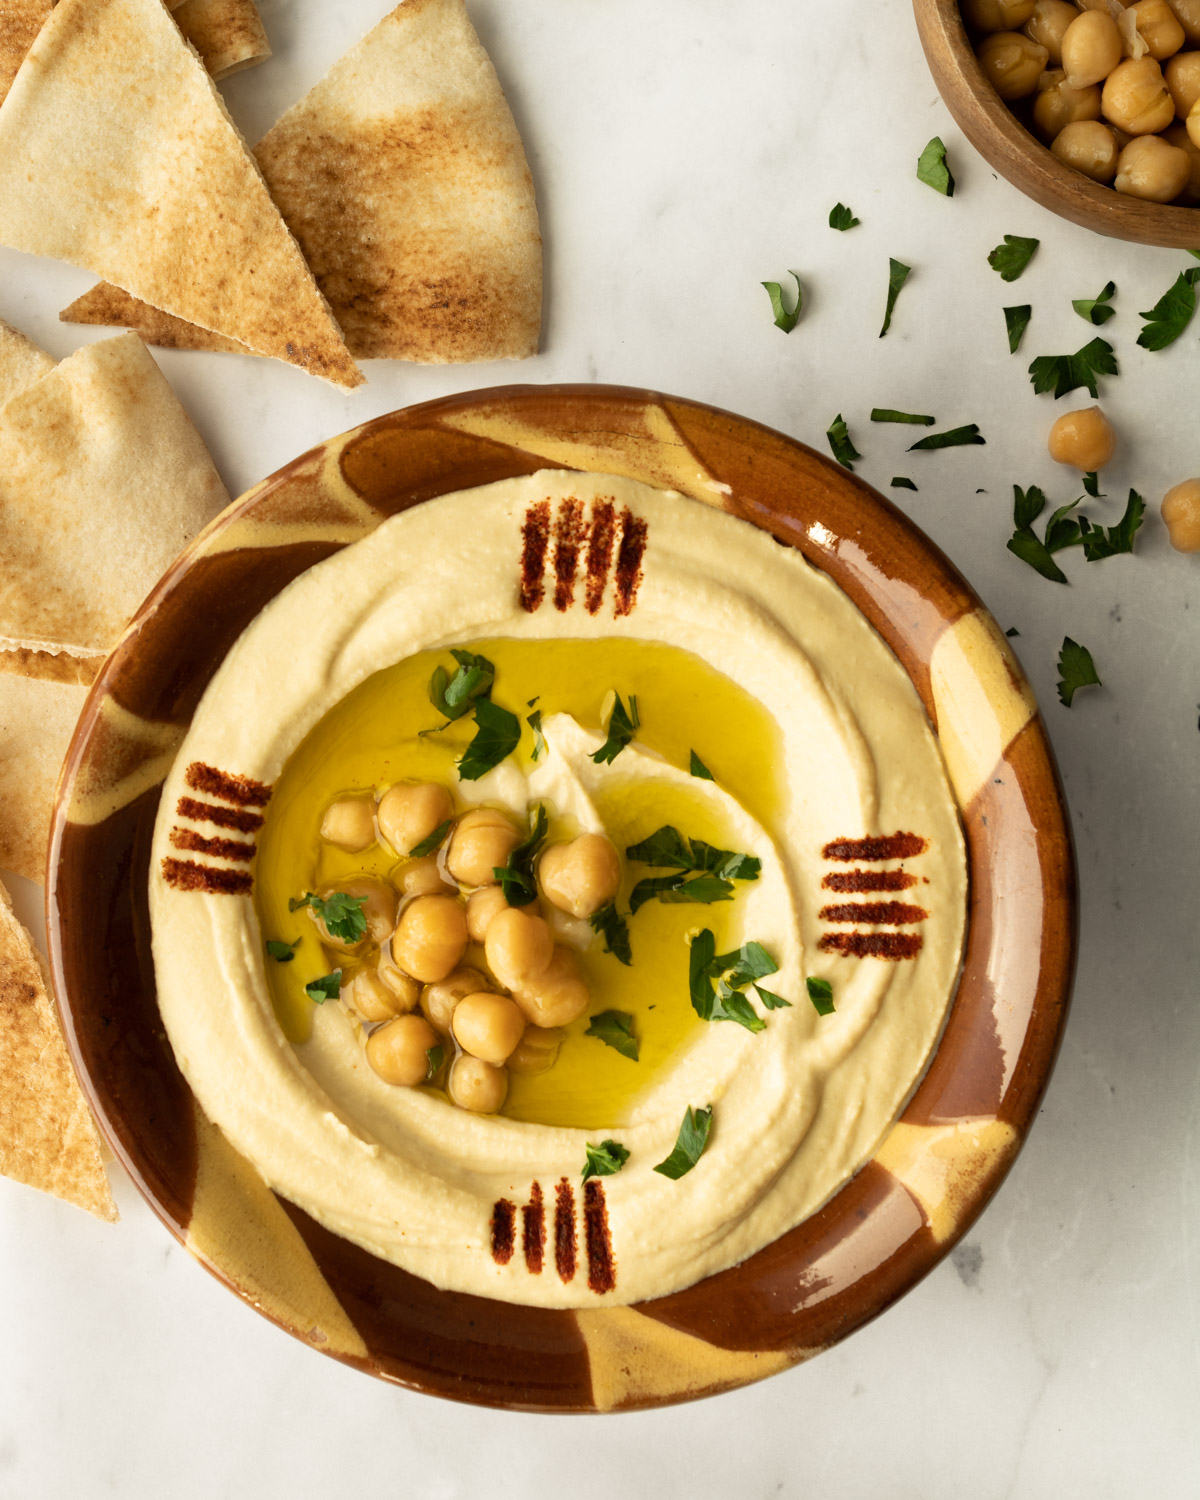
x=684, y=151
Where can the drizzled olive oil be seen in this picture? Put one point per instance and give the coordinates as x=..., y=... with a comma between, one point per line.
x=374, y=738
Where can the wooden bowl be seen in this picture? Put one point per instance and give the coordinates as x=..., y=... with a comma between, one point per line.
x=886, y=1228
x=999, y=136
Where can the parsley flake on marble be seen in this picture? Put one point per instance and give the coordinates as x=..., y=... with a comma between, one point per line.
x=933, y=169
x=1172, y=313
x=898, y=274
x=1062, y=373
x=1076, y=670
x=840, y=217
x=1010, y=259
x=840, y=445
x=783, y=318
x=1097, y=310
x=889, y=414
x=955, y=437
x=1016, y=321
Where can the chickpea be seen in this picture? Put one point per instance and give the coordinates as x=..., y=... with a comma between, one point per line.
x=1091, y=48
x=518, y=946
x=1152, y=168
x=424, y=878
x=370, y=998
x=481, y=843
x=1187, y=13
x=556, y=996
x=536, y=1052
x=1182, y=74
x=580, y=876
x=380, y=912
x=439, y=1000
x=1193, y=123
x=482, y=905
x=1084, y=440
x=1012, y=64
x=997, y=15
x=1048, y=24
x=1181, y=513
x=1090, y=147
x=431, y=937
x=350, y=824
x=1059, y=105
x=410, y=811
x=1177, y=136
x=488, y=1025
x=1158, y=27
x=1135, y=97
x=399, y=1050
x=403, y=987
x=477, y=1085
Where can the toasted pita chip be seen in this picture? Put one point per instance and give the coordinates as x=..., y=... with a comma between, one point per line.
x=103, y=480
x=109, y=307
x=228, y=34
x=21, y=362
x=20, y=22
x=116, y=154
x=37, y=719
x=403, y=177
x=47, y=1137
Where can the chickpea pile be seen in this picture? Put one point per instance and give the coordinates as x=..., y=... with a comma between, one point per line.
x=1113, y=89
x=410, y=987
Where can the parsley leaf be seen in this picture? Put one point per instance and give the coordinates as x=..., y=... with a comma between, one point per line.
x=955, y=437
x=733, y=972
x=497, y=735
x=344, y=916
x=665, y=847
x=432, y=842
x=603, y=1160
x=840, y=217
x=614, y=929
x=731, y=1006
x=1067, y=372
x=713, y=870
x=1076, y=670
x=1172, y=313
x=899, y=482
x=1016, y=320
x=1096, y=309
x=771, y=1000
x=689, y=1145
x=328, y=987
x=1091, y=483
x=820, y=992
x=615, y=1029
x=839, y=443
x=435, y=1056
x=749, y=962
x=887, y=414
x=1011, y=258
x=698, y=768
x=621, y=726
x=784, y=319
x=1024, y=542
x=701, y=953
x=455, y=696
x=282, y=953
x=534, y=720
x=932, y=168
x=1099, y=543
x=898, y=274
x=516, y=877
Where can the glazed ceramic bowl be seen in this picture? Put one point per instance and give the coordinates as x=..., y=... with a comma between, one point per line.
x=884, y=1229
x=1000, y=137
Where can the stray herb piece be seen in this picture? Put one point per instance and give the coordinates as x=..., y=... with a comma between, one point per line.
x=497, y=735
x=1100, y=542
x=932, y=168
x=615, y=1029
x=603, y=1160
x=432, y=842
x=328, y=987
x=698, y=768
x=1016, y=320
x=1067, y=372
x=840, y=217
x=701, y=952
x=704, y=874
x=1096, y=309
x=455, y=696
x=516, y=877
x=282, y=953
x=1064, y=530
x=1011, y=258
x=899, y=482
x=771, y=1000
x=614, y=929
x=820, y=992
x=1011, y=631
x=955, y=437
x=344, y=916
x=534, y=720
x=1075, y=669
x=784, y=319
x=898, y=274
x=1091, y=483
x=690, y=1144
x=435, y=1056
x=840, y=445
x=886, y=414
x=1172, y=313
x=622, y=723
x=731, y=972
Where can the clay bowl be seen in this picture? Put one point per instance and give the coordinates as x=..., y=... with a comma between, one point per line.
x=890, y=1225
x=1000, y=137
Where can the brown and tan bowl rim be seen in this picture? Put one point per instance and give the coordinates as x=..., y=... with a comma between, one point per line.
x=886, y=1228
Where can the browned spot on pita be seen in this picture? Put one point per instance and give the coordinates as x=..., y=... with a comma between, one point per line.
x=108, y=306
x=20, y=22
x=51, y=666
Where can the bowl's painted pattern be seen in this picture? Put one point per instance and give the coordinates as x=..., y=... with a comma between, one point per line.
x=886, y=1228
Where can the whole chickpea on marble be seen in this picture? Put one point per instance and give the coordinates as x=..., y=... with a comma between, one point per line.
x=1082, y=440
x=1181, y=515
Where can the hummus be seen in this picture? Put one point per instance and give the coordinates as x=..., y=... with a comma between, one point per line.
x=824, y=768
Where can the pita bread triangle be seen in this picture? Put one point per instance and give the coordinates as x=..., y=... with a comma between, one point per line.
x=116, y=155
x=21, y=361
x=20, y=22
x=403, y=177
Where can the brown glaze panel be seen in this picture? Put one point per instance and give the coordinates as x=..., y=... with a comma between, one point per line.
x=393, y=463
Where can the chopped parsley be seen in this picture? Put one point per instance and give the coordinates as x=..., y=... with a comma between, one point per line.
x=497, y=735
x=1067, y=372
x=784, y=319
x=622, y=725
x=698, y=768
x=455, y=696
x=344, y=916
x=432, y=841
x=1172, y=313
x=1011, y=258
x=1076, y=670
x=1100, y=542
x=820, y=992
x=689, y=1145
x=1091, y=483
x=603, y=1160
x=435, y=1056
x=902, y=482
x=933, y=170
x=840, y=445
x=328, y=987
x=771, y=1000
x=1016, y=321
x=614, y=929
x=1064, y=530
x=731, y=973
x=534, y=720
x=282, y=953
x=615, y=1029
x=898, y=274
x=887, y=414
x=516, y=877
x=703, y=873
x=1097, y=310
x=955, y=437
x=840, y=217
